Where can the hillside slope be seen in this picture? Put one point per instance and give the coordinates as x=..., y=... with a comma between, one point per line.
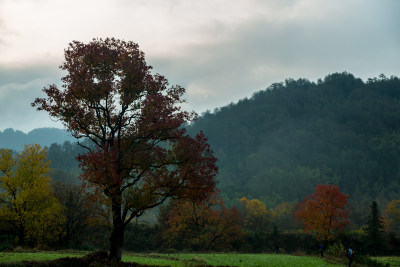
x=281, y=142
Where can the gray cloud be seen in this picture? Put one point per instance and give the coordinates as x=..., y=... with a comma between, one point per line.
x=221, y=58
x=361, y=39
x=2, y=25
x=18, y=89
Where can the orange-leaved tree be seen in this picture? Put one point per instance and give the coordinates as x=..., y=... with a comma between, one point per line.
x=323, y=211
x=202, y=225
x=140, y=153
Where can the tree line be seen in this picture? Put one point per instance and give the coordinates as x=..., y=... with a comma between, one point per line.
x=36, y=211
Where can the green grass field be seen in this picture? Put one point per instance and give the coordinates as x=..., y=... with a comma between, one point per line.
x=246, y=260
x=393, y=261
x=182, y=260
x=178, y=260
x=10, y=257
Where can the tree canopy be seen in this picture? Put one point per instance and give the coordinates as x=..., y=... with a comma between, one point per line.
x=140, y=154
x=324, y=211
x=26, y=200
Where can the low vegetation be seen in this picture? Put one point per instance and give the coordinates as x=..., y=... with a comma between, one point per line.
x=177, y=260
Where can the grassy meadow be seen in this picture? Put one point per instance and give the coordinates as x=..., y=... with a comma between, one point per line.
x=187, y=259
x=11, y=257
x=181, y=260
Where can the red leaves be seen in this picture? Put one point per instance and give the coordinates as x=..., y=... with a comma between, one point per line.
x=323, y=211
x=100, y=168
x=140, y=153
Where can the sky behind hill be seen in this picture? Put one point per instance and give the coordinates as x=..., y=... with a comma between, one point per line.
x=219, y=50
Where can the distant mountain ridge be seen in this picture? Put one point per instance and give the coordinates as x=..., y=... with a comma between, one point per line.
x=15, y=139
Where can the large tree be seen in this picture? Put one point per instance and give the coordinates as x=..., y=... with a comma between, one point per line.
x=140, y=153
x=324, y=211
x=26, y=200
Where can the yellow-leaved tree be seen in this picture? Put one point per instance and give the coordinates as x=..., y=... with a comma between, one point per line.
x=256, y=215
x=392, y=216
x=26, y=200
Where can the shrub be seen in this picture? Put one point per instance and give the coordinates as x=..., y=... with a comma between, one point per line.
x=336, y=250
x=366, y=260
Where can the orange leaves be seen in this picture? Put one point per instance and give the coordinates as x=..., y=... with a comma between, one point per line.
x=323, y=211
x=203, y=225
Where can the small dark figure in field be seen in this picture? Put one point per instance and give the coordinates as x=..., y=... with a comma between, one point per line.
x=350, y=256
x=321, y=249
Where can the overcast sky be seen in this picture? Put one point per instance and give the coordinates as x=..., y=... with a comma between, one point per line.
x=219, y=50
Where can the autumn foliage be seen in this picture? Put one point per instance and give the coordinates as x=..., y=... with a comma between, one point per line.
x=256, y=216
x=203, y=225
x=26, y=201
x=392, y=216
x=140, y=155
x=324, y=211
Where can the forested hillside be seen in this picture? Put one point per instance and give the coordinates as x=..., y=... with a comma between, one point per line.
x=278, y=144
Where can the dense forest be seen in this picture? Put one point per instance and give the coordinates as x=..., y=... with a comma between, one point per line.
x=278, y=144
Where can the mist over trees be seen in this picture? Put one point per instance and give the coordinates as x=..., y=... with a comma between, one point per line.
x=15, y=139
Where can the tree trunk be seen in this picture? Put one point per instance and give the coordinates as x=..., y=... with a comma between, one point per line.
x=117, y=235
x=21, y=235
x=116, y=242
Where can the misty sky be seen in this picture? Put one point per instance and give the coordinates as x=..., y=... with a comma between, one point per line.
x=219, y=50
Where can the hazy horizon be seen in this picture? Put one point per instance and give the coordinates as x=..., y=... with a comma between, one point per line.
x=220, y=51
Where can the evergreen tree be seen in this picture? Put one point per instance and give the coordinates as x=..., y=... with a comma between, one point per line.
x=375, y=233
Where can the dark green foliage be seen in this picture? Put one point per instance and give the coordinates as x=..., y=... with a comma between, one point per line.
x=278, y=144
x=260, y=242
x=7, y=236
x=355, y=240
x=368, y=261
x=63, y=161
x=141, y=237
x=76, y=213
x=394, y=244
x=291, y=242
x=376, y=236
